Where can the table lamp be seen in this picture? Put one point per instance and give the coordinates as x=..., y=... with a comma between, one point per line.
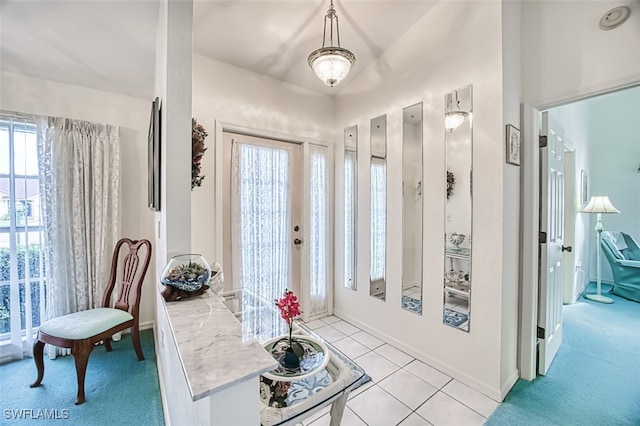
x=599, y=205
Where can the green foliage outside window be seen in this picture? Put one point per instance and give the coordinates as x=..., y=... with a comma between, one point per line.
x=5, y=290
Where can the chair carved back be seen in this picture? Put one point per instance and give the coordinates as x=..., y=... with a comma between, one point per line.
x=133, y=271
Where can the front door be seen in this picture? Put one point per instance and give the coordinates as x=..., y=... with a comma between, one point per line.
x=264, y=222
x=551, y=241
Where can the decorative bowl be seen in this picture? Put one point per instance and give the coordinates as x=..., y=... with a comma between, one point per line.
x=188, y=272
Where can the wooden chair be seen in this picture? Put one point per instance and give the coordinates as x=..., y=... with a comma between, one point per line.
x=81, y=331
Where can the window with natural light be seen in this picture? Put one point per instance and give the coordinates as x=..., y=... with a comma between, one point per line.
x=350, y=219
x=378, y=250
x=21, y=240
x=318, y=251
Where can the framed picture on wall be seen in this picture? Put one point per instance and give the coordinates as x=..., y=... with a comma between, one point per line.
x=513, y=145
x=154, y=156
x=584, y=187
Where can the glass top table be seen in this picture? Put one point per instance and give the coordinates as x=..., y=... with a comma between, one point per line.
x=288, y=402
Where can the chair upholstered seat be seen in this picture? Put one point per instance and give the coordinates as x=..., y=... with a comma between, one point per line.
x=85, y=324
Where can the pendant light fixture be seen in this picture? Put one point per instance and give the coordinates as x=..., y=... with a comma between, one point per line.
x=331, y=63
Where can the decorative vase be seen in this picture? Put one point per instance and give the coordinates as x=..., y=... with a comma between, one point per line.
x=291, y=360
x=187, y=272
x=312, y=354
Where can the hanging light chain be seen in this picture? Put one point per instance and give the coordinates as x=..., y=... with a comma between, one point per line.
x=331, y=14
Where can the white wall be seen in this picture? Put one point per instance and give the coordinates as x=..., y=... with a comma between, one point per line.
x=614, y=142
x=568, y=56
x=455, y=44
x=42, y=97
x=173, y=86
x=236, y=96
x=511, y=182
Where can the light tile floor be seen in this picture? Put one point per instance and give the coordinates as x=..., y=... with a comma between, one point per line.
x=403, y=391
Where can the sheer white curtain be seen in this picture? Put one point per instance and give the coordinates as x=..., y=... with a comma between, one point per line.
x=378, y=218
x=79, y=183
x=318, y=230
x=261, y=236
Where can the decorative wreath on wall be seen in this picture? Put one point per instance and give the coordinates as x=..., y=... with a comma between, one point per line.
x=451, y=181
x=198, y=133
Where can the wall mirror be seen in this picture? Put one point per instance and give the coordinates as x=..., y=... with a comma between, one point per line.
x=350, y=204
x=458, y=208
x=378, y=242
x=412, y=208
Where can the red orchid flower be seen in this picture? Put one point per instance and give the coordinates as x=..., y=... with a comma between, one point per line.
x=289, y=309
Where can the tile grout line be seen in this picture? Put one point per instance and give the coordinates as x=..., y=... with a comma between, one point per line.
x=376, y=383
x=461, y=402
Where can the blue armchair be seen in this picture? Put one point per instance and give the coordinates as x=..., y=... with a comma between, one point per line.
x=623, y=254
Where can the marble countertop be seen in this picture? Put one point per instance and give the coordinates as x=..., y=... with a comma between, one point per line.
x=213, y=352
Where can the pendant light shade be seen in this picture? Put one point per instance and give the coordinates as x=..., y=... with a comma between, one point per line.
x=454, y=116
x=453, y=119
x=332, y=63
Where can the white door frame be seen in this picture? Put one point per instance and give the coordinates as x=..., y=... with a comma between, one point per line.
x=527, y=333
x=221, y=127
x=528, y=343
x=529, y=253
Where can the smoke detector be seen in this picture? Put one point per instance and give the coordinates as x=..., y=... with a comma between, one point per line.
x=614, y=18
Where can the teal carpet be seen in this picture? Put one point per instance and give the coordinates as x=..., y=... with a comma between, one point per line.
x=595, y=377
x=120, y=390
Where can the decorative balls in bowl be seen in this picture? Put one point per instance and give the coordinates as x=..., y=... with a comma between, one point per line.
x=188, y=272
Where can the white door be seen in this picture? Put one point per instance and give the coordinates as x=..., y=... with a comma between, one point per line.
x=551, y=239
x=262, y=231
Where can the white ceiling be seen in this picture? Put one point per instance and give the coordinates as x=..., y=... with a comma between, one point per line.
x=110, y=44
x=275, y=38
x=106, y=44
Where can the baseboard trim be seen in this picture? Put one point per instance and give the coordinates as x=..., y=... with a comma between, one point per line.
x=588, y=282
x=493, y=393
x=506, y=387
x=148, y=325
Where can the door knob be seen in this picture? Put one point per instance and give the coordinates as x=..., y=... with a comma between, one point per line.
x=297, y=241
x=567, y=248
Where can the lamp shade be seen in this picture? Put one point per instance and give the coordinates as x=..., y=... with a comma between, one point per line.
x=600, y=204
x=331, y=64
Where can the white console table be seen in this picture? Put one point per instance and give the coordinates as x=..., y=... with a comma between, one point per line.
x=210, y=373
x=211, y=365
